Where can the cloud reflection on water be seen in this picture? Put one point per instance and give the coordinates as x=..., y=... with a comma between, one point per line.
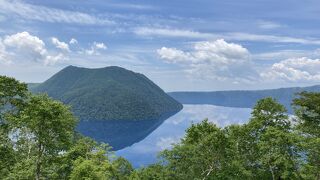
x=173, y=129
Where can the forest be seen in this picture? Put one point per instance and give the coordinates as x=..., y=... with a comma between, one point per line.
x=110, y=93
x=39, y=141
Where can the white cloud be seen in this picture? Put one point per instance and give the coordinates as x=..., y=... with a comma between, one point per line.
x=59, y=44
x=132, y=6
x=26, y=47
x=100, y=45
x=233, y=36
x=294, y=70
x=286, y=54
x=4, y=57
x=95, y=47
x=173, y=55
x=268, y=25
x=167, y=142
x=269, y=38
x=146, y=31
x=212, y=60
x=45, y=14
x=53, y=59
x=73, y=41
x=29, y=45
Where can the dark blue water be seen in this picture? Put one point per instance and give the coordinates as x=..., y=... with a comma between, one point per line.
x=171, y=130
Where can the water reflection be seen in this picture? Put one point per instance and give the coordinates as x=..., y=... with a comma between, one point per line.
x=119, y=133
x=169, y=132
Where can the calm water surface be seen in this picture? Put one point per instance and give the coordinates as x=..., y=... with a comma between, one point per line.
x=173, y=129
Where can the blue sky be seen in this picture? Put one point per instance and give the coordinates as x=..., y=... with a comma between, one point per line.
x=180, y=45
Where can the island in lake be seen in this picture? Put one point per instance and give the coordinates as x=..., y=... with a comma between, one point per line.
x=114, y=105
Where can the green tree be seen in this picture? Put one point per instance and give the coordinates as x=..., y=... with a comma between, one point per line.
x=12, y=95
x=274, y=151
x=122, y=168
x=46, y=127
x=153, y=172
x=307, y=110
x=92, y=161
x=206, y=152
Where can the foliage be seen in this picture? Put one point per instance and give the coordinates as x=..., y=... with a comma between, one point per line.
x=12, y=93
x=266, y=147
x=110, y=93
x=42, y=129
x=38, y=141
x=155, y=171
x=307, y=108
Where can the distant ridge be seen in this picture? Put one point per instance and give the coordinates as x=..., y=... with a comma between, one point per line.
x=239, y=98
x=110, y=93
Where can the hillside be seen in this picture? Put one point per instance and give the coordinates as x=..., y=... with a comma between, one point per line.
x=110, y=93
x=245, y=99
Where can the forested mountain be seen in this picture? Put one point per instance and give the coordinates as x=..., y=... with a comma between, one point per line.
x=245, y=99
x=110, y=93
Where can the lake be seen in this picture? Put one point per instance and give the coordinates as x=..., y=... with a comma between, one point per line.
x=171, y=130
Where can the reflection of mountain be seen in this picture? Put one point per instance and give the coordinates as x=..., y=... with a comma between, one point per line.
x=114, y=105
x=244, y=99
x=119, y=134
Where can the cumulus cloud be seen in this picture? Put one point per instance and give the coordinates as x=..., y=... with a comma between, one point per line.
x=26, y=47
x=29, y=45
x=212, y=59
x=173, y=55
x=59, y=44
x=95, y=48
x=51, y=60
x=73, y=41
x=294, y=70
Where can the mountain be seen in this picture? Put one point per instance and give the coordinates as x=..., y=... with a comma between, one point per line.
x=245, y=99
x=110, y=93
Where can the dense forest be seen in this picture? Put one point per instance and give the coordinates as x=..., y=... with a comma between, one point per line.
x=38, y=141
x=110, y=93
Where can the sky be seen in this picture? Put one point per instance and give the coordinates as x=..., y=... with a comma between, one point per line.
x=181, y=45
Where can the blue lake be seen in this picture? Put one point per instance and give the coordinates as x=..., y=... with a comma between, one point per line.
x=171, y=130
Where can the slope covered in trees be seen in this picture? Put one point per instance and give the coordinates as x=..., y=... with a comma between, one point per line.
x=270, y=146
x=244, y=99
x=38, y=141
x=110, y=93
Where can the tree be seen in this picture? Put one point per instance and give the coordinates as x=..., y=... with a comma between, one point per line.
x=122, y=168
x=91, y=161
x=307, y=111
x=206, y=152
x=47, y=126
x=12, y=95
x=273, y=144
x=266, y=148
x=151, y=172
x=38, y=140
